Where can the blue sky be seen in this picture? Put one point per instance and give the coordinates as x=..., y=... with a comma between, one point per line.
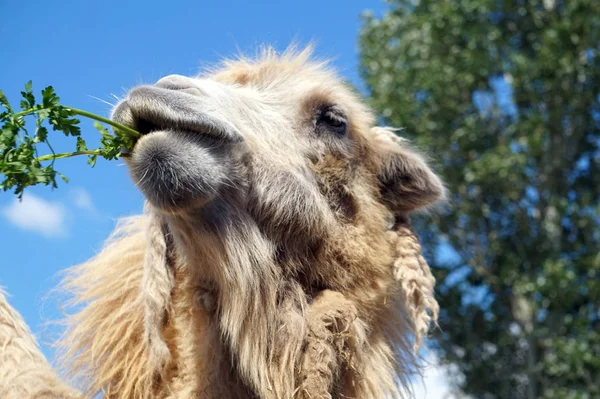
x=90, y=50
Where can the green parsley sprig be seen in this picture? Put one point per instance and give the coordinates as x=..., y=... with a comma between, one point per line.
x=20, y=164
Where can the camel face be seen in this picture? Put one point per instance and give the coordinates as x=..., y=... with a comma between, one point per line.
x=282, y=144
x=271, y=148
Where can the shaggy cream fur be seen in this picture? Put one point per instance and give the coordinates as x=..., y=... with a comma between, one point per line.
x=274, y=258
x=24, y=372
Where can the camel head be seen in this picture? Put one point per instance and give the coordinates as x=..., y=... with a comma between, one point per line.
x=281, y=139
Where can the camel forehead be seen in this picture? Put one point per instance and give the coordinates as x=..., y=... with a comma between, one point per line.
x=295, y=77
x=269, y=69
x=283, y=73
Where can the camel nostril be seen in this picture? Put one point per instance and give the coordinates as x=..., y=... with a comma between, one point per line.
x=194, y=91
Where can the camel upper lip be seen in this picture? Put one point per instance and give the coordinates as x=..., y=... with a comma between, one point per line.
x=150, y=108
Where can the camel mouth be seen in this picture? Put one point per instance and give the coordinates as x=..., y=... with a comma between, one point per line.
x=180, y=158
x=148, y=109
x=207, y=134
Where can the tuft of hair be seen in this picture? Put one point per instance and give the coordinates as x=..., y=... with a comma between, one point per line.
x=157, y=285
x=103, y=349
x=259, y=68
x=417, y=284
x=25, y=373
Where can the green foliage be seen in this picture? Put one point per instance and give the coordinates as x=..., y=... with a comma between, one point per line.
x=505, y=96
x=20, y=164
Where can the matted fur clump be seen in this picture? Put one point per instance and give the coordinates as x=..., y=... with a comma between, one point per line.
x=24, y=371
x=274, y=258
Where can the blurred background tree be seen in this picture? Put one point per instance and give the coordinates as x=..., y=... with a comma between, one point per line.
x=505, y=95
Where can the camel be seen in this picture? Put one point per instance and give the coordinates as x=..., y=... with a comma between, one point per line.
x=274, y=257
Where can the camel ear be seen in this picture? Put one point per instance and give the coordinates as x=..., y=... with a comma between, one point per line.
x=407, y=182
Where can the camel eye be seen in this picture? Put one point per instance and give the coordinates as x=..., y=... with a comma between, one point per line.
x=332, y=120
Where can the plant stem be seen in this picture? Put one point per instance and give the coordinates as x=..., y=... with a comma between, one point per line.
x=117, y=126
x=67, y=155
x=26, y=112
x=99, y=118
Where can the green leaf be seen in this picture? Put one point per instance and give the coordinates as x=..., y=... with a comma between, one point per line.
x=81, y=146
x=92, y=160
x=43, y=113
x=100, y=127
x=49, y=97
x=28, y=97
x=41, y=134
x=4, y=102
x=63, y=177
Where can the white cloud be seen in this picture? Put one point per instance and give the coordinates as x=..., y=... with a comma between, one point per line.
x=435, y=383
x=36, y=214
x=82, y=199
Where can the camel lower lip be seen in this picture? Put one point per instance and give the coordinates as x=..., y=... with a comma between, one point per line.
x=206, y=137
x=176, y=168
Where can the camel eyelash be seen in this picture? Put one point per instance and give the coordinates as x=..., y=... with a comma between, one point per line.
x=332, y=119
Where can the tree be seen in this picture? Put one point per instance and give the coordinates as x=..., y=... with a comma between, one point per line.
x=505, y=95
